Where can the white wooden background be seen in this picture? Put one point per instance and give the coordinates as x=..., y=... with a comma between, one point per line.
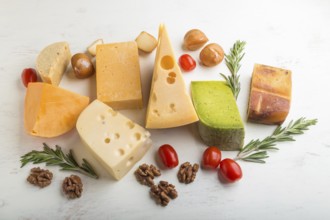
x=293, y=184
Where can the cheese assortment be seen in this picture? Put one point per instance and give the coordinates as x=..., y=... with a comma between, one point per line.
x=50, y=111
x=115, y=141
x=220, y=123
x=52, y=62
x=118, y=82
x=169, y=102
x=270, y=95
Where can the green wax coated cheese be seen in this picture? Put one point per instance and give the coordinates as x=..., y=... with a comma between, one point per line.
x=220, y=123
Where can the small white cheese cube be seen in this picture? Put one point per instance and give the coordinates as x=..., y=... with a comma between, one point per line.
x=92, y=48
x=115, y=141
x=146, y=42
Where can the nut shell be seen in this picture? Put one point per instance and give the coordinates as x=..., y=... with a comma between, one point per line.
x=82, y=66
x=211, y=55
x=194, y=39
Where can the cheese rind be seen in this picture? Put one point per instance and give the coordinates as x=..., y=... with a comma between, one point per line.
x=169, y=102
x=118, y=78
x=52, y=62
x=270, y=95
x=220, y=123
x=50, y=111
x=114, y=140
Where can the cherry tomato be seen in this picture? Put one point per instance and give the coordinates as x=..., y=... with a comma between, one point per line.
x=187, y=63
x=29, y=75
x=211, y=158
x=168, y=155
x=230, y=170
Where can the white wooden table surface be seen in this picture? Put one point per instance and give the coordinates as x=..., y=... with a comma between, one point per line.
x=293, y=184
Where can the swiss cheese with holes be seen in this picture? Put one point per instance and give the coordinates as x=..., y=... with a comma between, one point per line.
x=270, y=95
x=169, y=102
x=115, y=141
x=118, y=82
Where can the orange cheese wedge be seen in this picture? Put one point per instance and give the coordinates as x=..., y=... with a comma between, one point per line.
x=50, y=111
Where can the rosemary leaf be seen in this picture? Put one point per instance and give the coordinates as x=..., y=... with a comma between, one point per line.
x=233, y=60
x=256, y=150
x=56, y=157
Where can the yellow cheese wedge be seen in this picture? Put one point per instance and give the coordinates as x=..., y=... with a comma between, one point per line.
x=118, y=82
x=50, y=111
x=169, y=102
x=52, y=62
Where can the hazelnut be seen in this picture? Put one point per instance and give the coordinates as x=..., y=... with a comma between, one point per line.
x=194, y=39
x=211, y=55
x=82, y=66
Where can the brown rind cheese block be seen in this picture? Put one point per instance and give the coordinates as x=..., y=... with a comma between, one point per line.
x=270, y=95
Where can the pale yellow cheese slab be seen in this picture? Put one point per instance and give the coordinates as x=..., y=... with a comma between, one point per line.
x=114, y=140
x=53, y=61
x=118, y=77
x=169, y=102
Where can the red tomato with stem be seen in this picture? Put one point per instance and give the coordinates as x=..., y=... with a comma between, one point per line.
x=187, y=63
x=230, y=170
x=211, y=158
x=168, y=156
x=29, y=75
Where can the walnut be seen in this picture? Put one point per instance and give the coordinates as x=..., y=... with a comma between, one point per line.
x=40, y=177
x=187, y=172
x=72, y=186
x=163, y=193
x=145, y=174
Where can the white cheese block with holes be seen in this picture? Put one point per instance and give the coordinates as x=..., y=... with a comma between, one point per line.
x=115, y=141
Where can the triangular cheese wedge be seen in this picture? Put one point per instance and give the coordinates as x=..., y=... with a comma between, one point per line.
x=52, y=62
x=50, y=111
x=169, y=102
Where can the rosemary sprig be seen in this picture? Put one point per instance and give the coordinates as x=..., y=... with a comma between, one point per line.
x=256, y=150
x=233, y=63
x=56, y=157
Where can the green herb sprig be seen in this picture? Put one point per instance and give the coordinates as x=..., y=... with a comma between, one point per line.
x=56, y=157
x=256, y=150
x=233, y=60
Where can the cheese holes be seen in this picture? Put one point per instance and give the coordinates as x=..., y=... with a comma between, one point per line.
x=171, y=78
x=156, y=112
x=107, y=140
x=130, y=124
x=101, y=117
x=130, y=161
x=137, y=136
x=120, y=152
x=167, y=62
x=172, y=107
x=112, y=112
x=172, y=74
x=154, y=97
